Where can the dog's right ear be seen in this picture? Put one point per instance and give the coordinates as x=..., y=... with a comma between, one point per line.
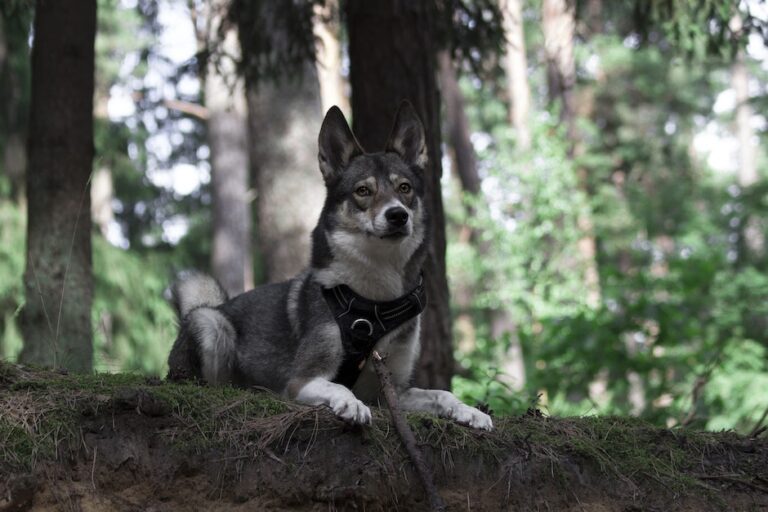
x=337, y=145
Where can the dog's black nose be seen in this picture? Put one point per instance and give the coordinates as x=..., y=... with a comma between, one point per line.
x=396, y=216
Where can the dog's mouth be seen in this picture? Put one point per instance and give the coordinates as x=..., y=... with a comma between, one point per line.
x=394, y=235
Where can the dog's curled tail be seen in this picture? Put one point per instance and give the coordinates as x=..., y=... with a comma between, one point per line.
x=193, y=290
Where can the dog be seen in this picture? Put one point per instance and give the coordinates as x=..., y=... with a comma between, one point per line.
x=310, y=338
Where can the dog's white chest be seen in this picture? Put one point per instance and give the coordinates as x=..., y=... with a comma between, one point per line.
x=401, y=356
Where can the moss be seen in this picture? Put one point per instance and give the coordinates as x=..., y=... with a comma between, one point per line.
x=7, y=372
x=18, y=447
x=42, y=412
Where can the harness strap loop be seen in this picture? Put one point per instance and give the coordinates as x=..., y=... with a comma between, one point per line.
x=363, y=322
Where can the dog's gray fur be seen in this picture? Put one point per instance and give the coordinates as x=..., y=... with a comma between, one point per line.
x=282, y=336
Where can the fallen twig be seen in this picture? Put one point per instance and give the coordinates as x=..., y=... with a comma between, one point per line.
x=735, y=479
x=406, y=434
x=759, y=428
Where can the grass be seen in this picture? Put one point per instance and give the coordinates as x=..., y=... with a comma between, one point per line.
x=41, y=411
x=42, y=415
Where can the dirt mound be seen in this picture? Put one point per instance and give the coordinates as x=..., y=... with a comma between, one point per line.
x=123, y=442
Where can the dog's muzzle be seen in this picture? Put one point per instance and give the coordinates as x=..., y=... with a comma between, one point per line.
x=397, y=217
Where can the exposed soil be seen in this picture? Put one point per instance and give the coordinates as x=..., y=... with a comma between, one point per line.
x=118, y=442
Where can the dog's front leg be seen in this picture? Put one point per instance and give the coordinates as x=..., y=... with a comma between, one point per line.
x=342, y=401
x=446, y=405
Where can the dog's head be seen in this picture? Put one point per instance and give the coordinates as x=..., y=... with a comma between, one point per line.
x=375, y=196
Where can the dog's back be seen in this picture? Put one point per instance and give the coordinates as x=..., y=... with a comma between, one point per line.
x=216, y=340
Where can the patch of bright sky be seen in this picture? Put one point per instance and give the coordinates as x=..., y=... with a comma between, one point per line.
x=177, y=44
x=716, y=142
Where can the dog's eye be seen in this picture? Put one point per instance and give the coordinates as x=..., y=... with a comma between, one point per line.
x=363, y=191
x=404, y=188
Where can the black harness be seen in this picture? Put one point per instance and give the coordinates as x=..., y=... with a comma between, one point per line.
x=363, y=322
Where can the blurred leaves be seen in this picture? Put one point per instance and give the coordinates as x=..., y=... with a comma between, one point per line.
x=681, y=334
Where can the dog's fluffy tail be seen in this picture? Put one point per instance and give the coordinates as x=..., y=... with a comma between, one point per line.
x=192, y=290
x=206, y=344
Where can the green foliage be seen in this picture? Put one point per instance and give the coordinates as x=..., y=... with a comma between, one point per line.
x=701, y=27
x=12, y=226
x=697, y=29
x=134, y=326
x=279, y=39
x=531, y=201
x=277, y=35
x=679, y=336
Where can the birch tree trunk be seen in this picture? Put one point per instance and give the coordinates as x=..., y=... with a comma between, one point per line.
x=326, y=26
x=753, y=239
x=516, y=68
x=558, y=24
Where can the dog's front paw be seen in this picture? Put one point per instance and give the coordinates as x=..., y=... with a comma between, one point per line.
x=351, y=409
x=471, y=417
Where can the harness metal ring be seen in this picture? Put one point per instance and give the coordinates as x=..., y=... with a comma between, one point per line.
x=363, y=321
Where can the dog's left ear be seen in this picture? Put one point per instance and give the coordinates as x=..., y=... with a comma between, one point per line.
x=407, y=137
x=337, y=145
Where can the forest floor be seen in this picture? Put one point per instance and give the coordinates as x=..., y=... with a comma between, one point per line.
x=125, y=442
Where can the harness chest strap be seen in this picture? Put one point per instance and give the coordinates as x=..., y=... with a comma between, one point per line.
x=363, y=322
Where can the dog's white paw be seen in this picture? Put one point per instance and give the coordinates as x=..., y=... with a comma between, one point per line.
x=351, y=410
x=342, y=402
x=470, y=417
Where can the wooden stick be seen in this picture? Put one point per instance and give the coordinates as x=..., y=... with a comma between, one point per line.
x=759, y=428
x=406, y=434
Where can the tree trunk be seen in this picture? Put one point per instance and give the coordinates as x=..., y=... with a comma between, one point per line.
x=558, y=23
x=392, y=57
x=14, y=74
x=102, y=195
x=326, y=27
x=284, y=120
x=466, y=166
x=458, y=126
x=744, y=131
x=594, y=16
x=231, y=259
x=56, y=319
x=516, y=68
x=752, y=235
x=102, y=185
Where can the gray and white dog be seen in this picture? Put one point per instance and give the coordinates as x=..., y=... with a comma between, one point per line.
x=309, y=338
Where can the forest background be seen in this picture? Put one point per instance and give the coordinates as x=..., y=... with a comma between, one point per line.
x=603, y=183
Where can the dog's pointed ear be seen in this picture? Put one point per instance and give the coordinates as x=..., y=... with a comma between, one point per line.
x=337, y=146
x=407, y=137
